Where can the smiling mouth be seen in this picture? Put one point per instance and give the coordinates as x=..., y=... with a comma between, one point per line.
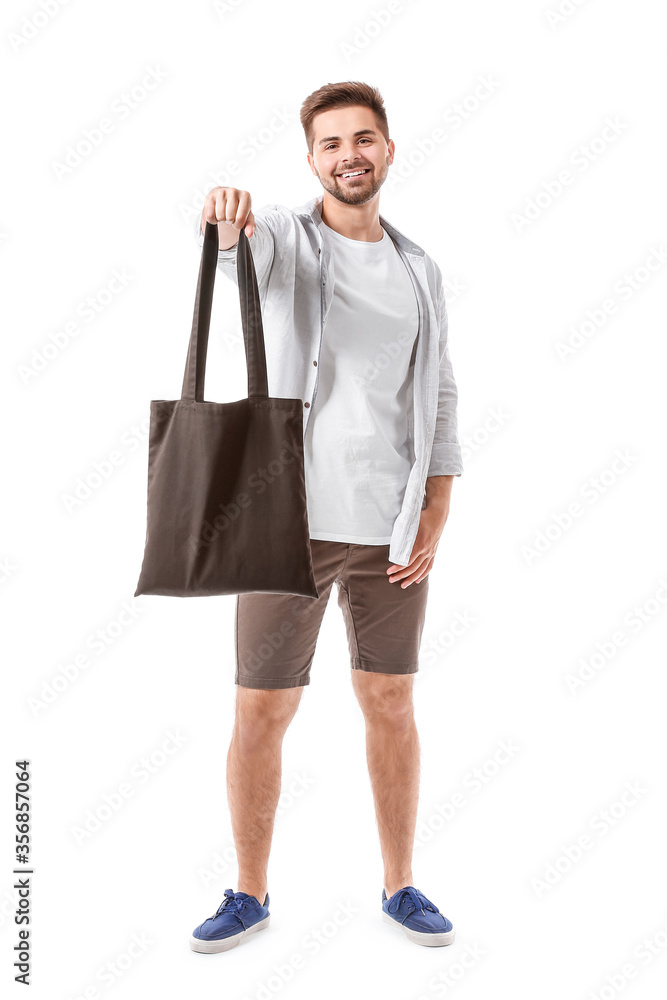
x=351, y=174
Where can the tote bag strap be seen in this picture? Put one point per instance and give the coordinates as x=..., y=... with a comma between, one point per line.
x=251, y=318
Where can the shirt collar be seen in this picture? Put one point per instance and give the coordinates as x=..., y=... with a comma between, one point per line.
x=311, y=211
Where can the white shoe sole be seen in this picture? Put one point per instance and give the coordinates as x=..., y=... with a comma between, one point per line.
x=422, y=937
x=224, y=944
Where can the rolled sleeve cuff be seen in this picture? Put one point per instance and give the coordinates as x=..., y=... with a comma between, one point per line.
x=446, y=460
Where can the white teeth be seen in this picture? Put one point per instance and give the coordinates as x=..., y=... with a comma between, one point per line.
x=354, y=173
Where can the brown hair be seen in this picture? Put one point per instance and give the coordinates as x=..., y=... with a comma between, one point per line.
x=342, y=95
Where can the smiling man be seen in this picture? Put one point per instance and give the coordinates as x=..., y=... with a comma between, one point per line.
x=355, y=326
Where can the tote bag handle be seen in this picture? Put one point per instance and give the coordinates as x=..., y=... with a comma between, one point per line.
x=251, y=319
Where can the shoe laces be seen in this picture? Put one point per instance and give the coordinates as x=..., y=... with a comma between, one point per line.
x=232, y=903
x=415, y=900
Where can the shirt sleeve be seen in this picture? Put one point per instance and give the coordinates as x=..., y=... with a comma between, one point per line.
x=446, y=457
x=262, y=245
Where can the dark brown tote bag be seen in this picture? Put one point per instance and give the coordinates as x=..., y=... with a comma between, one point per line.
x=227, y=507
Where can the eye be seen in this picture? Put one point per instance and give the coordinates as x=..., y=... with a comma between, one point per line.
x=332, y=144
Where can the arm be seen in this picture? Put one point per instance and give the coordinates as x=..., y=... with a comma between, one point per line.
x=438, y=493
x=261, y=242
x=232, y=208
x=446, y=461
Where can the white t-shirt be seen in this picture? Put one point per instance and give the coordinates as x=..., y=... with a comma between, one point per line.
x=357, y=447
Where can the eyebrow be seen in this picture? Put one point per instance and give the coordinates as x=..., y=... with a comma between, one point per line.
x=335, y=138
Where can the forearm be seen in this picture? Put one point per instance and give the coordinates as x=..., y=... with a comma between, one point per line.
x=262, y=244
x=438, y=492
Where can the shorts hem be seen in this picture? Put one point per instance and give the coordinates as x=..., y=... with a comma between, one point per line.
x=359, y=663
x=270, y=683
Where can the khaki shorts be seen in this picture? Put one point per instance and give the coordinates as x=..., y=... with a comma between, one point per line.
x=275, y=634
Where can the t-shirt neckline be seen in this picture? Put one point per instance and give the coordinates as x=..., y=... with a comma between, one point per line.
x=361, y=243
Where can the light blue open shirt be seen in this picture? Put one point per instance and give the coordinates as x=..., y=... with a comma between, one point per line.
x=295, y=276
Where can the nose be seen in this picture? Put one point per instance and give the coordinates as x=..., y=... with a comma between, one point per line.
x=350, y=154
x=351, y=165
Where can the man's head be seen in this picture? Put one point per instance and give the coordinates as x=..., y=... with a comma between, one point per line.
x=346, y=130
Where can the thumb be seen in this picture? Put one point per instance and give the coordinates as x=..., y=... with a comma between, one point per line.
x=250, y=224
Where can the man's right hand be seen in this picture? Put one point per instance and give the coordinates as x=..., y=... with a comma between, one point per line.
x=231, y=209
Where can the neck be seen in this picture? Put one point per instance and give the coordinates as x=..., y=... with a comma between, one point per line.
x=357, y=222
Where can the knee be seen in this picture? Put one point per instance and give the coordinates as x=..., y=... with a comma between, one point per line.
x=387, y=701
x=264, y=715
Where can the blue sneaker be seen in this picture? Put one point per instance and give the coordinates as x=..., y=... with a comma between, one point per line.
x=421, y=919
x=238, y=915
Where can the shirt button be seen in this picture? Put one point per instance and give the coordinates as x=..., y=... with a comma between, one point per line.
x=306, y=404
x=315, y=363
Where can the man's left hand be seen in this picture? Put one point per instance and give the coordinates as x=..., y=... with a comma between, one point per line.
x=431, y=523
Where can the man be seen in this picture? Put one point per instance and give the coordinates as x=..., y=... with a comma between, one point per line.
x=356, y=327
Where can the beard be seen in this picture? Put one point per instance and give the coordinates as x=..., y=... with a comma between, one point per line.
x=356, y=192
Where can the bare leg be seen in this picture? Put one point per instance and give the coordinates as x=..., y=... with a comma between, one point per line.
x=393, y=756
x=254, y=767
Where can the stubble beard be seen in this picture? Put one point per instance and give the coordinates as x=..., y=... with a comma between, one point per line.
x=355, y=193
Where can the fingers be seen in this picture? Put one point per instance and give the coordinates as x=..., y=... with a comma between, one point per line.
x=240, y=215
x=231, y=206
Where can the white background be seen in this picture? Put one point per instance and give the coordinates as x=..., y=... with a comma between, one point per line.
x=529, y=921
